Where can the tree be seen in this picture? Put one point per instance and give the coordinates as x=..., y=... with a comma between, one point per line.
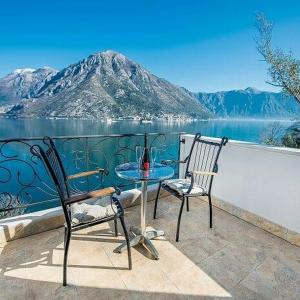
x=284, y=69
x=292, y=137
x=273, y=135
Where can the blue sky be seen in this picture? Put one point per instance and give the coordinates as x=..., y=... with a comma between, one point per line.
x=201, y=45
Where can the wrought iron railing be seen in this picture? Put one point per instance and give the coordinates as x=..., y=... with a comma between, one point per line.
x=26, y=187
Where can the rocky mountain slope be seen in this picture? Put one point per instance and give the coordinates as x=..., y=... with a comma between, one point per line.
x=250, y=103
x=23, y=84
x=108, y=84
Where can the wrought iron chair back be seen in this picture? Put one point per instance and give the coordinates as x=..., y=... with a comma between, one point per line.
x=56, y=170
x=204, y=157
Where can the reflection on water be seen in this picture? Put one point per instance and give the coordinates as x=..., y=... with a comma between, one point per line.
x=247, y=130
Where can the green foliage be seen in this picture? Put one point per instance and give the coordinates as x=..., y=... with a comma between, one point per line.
x=273, y=135
x=276, y=135
x=292, y=137
x=284, y=69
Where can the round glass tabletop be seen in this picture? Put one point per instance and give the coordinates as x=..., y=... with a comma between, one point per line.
x=131, y=171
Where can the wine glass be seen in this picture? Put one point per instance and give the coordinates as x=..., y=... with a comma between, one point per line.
x=138, y=154
x=153, y=156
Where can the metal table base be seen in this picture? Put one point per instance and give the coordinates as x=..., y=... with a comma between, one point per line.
x=142, y=235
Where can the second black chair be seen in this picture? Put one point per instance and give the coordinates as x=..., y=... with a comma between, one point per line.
x=201, y=167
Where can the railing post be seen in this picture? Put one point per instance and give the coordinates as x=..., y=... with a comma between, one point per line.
x=180, y=141
x=87, y=163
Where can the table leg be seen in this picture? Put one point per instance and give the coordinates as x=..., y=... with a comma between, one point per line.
x=153, y=233
x=135, y=240
x=143, y=207
x=148, y=244
x=142, y=235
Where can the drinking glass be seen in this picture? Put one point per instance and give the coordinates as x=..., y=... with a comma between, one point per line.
x=153, y=155
x=138, y=154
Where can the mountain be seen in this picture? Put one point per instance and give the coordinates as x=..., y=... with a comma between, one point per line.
x=249, y=103
x=108, y=84
x=23, y=84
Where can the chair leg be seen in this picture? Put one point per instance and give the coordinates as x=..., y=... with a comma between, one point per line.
x=67, y=244
x=187, y=204
x=179, y=219
x=210, y=211
x=156, y=200
x=116, y=227
x=127, y=242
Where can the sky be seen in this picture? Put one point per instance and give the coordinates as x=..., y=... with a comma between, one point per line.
x=201, y=45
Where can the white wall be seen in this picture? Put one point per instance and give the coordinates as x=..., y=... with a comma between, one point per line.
x=260, y=179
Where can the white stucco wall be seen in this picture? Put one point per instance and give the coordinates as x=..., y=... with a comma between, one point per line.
x=260, y=179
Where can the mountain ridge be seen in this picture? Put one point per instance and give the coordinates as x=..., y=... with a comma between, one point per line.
x=23, y=84
x=249, y=103
x=108, y=84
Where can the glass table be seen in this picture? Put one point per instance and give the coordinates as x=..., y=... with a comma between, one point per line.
x=143, y=235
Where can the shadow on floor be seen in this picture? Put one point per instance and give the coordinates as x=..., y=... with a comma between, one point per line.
x=234, y=259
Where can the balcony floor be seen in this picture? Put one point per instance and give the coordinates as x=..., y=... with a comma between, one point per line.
x=233, y=260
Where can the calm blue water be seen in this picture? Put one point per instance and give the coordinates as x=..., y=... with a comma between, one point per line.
x=246, y=130
x=25, y=178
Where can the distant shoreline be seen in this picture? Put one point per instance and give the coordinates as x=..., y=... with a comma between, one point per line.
x=145, y=121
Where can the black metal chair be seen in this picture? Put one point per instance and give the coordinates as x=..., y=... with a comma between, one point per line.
x=201, y=167
x=80, y=210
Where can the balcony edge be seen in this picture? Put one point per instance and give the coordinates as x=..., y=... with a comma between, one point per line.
x=282, y=232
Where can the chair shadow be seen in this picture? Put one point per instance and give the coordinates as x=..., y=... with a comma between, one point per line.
x=15, y=258
x=28, y=288
x=83, y=237
x=44, y=252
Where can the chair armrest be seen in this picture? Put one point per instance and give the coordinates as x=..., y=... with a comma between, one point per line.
x=94, y=194
x=87, y=173
x=204, y=173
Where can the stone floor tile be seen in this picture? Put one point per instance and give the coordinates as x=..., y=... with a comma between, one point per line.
x=230, y=264
x=273, y=279
x=85, y=293
x=12, y=287
x=233, y=260
x=197, y=283
x=147, y=277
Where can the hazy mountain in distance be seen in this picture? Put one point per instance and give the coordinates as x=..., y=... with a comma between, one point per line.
x=23, y=84
x=249, y=103
x=108, y=84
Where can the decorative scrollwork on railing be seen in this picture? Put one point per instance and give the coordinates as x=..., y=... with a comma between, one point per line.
x=21, y=178
x=25, y=185
x=10, y=205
